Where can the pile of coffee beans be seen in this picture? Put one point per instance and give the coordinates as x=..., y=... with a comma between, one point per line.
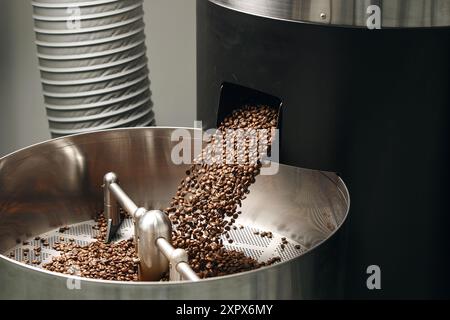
x=98, y=260
x=205, y=208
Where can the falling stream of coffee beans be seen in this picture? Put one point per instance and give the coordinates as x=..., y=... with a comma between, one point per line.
x=207, y=201
x=204, y=208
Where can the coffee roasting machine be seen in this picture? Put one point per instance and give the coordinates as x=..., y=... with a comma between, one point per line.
x=362, y=119
x=370, y=104
x=58, y=183
x=50, y=194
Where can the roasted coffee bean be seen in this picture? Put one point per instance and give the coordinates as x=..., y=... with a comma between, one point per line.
x=273, y=260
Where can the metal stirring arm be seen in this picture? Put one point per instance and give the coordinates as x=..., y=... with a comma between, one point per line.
x=153, y=234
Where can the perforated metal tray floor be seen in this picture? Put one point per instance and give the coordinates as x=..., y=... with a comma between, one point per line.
x=245, y=239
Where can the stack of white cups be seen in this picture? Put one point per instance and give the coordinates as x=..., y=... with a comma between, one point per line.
x=93, y=64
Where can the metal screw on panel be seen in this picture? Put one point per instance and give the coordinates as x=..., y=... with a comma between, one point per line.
x=323, y=16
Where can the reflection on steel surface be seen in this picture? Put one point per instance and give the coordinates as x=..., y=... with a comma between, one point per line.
x=44, y=186
x=394, y=13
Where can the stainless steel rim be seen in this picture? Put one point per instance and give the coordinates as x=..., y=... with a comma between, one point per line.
x=351, y=13
x=30, y=268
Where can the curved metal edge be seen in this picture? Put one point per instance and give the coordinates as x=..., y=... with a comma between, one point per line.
x=339, y=183
x=341, y=13
x=30, y=147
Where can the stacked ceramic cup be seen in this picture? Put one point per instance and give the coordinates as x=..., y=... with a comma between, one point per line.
x=93, y=64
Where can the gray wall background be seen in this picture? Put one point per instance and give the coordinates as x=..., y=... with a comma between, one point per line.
x=171, y=43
